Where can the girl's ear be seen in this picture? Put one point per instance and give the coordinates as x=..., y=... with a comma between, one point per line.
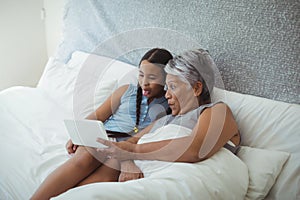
x=198, y=88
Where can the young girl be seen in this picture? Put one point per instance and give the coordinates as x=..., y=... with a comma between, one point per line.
x=129, y=109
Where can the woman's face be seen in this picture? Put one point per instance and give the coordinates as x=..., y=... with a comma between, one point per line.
x=180, y=95
x=151, y=79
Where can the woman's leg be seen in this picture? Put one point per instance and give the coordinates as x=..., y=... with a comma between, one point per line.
x=108, y=172
x=68, y=174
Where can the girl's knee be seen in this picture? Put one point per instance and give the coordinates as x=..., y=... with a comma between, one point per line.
x=84, y=159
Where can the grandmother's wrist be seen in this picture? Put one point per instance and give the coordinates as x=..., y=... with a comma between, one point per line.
x=135, y=152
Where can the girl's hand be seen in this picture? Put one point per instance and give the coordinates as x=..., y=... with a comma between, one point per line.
x=129, y=171
x=71, y=148
x=117, y=150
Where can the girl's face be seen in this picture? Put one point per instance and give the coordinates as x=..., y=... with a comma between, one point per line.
x=151, y=79
x=181, y=96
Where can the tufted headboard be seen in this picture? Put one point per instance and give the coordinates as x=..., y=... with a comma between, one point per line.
x=255, y=44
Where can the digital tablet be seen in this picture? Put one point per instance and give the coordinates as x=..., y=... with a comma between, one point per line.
x=85, y=132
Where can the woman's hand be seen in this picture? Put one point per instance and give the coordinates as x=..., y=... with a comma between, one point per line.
x=71, y=148
x=117, y=150
x=129, y=171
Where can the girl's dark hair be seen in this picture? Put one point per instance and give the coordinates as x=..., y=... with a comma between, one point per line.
x=155, y=56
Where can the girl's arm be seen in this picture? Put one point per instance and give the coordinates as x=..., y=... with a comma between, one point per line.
x=109, y=106
x=215, y=127
x=102, y=113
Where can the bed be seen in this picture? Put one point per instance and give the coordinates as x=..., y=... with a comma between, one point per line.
x=255, y=45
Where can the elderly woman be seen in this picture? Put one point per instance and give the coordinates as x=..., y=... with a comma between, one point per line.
x=202, y=128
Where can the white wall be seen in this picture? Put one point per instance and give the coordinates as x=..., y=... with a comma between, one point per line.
x=23, y=53
x=53, y=24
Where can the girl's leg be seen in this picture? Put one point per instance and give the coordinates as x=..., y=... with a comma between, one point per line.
x=67, y=175
x=108, y=172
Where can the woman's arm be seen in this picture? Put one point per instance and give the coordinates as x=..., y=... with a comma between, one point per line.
x=215, y=127
x=134, y=139
x=129, y=170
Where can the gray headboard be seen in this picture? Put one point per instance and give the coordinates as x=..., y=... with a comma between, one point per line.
x=255, y=44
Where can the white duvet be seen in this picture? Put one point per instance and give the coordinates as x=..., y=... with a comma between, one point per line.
x=32, y=144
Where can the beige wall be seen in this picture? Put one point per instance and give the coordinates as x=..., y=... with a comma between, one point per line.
x=23, y=52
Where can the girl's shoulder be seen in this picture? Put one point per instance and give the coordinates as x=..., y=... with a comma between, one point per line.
x=119, y=93
x=131, y=88
x=122, y=89
x=128, y=92
x=127, y=89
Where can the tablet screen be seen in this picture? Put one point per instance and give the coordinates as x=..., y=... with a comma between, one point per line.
x=85, y=132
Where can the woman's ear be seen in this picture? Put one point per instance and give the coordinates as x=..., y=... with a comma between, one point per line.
x=198, y=88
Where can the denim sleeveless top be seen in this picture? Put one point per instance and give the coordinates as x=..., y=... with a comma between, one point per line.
x=123, y=120
x=189, y=120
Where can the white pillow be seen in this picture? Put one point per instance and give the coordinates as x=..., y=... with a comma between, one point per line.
x=264, y=166
x=269, y=124
x=58, y=82
x=93, y=97
x=108, y=67
x=85, y=81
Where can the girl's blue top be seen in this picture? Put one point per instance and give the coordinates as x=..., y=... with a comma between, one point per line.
x=123, y=120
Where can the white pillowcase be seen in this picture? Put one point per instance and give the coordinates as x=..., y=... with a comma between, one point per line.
x=264, y=166
x=87, y=98
x=58, y=82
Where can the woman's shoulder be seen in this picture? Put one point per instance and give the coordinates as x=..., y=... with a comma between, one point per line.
x=216, y=110
x=212, y=105
x=218, y=105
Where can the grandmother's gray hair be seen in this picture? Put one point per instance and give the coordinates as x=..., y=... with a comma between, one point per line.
x=192, y=66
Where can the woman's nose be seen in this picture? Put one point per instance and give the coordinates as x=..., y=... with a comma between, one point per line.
x=167, y=94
